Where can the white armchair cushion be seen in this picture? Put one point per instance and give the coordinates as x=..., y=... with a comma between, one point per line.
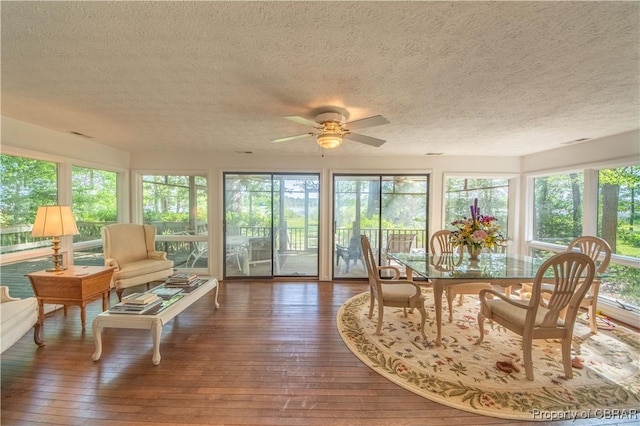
x=517, y=315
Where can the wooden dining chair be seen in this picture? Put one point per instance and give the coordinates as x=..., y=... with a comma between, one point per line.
x=571, y=275
x=440, y=243
x=600, y=253
x=391, y=292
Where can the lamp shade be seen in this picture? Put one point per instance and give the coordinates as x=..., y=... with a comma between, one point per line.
x=54, y=221
x=329, y=140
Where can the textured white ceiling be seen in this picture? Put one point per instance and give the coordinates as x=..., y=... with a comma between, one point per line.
x=482, y=78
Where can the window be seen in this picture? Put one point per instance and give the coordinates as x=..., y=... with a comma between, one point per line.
x=618, y=224
x=560, y=215
x=177, y=207
x=95, y=205
x=26, y=185
x=382, y=207
x=557, y=211
x=492, y=195
x=271, y=224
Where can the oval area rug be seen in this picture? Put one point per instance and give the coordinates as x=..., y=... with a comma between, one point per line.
x=462, y=375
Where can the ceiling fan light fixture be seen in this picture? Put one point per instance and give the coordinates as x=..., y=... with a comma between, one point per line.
x=329, y=140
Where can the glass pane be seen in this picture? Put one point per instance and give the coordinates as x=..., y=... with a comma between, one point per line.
x=248, y=224
x=404, y=216
x=296, y=221
x=387, y=209
x=271, y=224
x=93, y=256
x=177, y=205
x=13, y=275
x=95, y=201
x=26, y=185
x=558, y=208
x=492, y=195
x=618, y=224
x=619, y=209
x=356, y=207
x=622, y=284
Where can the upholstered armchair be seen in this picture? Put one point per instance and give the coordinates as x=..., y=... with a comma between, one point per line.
x=130, y=248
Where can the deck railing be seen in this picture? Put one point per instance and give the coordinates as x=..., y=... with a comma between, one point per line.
x=293, y=239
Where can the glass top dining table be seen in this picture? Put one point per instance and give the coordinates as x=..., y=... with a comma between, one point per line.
x=445, y=270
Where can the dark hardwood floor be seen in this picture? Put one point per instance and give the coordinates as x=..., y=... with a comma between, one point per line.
x=270, y=355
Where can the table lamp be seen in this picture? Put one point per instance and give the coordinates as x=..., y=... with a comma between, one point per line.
x=56, y=222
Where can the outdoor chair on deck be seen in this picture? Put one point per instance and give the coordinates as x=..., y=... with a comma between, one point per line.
x=394, y=292
x=260, y=251
x=353, y=253
x=440, y=243
x=398, y=243
x=570, y=275
x=131, y=249
x=200, y=251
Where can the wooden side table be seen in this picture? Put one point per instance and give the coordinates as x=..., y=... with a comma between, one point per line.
x=77, y=285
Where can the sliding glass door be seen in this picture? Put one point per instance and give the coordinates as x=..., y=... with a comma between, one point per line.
x=271, y=224
x=391, y=210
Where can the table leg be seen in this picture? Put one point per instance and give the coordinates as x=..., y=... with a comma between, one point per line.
x=156, y=334
x=438, y=288
x=97, y=338
x=105, y=301
x=83, y=316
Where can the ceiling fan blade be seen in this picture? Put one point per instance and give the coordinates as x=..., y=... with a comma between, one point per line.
x=375, y=120
x=288, y=138
x=301, y=120
x=367, y=140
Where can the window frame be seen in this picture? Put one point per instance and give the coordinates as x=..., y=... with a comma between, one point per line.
x=137, y=213
x=64, y=185
x=513, y=216
x=589, y=223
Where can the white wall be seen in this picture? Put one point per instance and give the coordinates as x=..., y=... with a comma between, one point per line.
x=25, y=136
x=623, y=147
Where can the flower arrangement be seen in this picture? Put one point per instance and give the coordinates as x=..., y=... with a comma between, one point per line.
x=477, y=232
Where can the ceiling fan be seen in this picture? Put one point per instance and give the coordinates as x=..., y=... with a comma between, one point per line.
x=330, y=127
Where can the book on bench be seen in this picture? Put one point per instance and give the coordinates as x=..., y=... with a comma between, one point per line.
x=137, y=309
x=140, y=298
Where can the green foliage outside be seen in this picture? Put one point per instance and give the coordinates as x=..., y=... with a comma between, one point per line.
x=94, y=195
x=166, y=199
x=26, y=185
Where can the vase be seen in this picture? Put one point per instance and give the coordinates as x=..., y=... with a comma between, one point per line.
x=474, y=252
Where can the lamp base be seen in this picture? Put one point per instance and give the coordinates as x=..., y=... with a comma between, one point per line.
x=57, y=264
x=57, y=268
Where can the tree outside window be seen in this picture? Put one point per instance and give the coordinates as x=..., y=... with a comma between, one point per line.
x=95, y=201
x=558, y=208
x=619, y=225
x=492, y=195
x=26, y=185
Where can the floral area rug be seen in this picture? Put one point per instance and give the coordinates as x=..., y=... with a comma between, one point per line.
x=462, y=375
